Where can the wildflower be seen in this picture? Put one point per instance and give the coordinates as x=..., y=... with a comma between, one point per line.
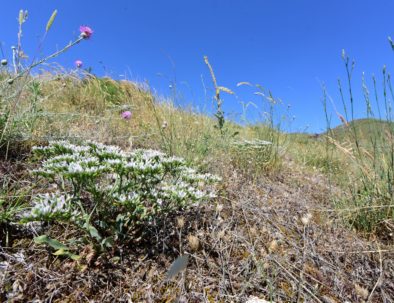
x=126, y=115
x=49, y=205
x=4, y=62
x=78, y=63
x=86, y=31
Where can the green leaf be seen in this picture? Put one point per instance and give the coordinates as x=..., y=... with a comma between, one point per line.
x=66, y=253
x=51, y=19
x=60, y=252
x=93, y=231
x=177, y=266
x=55, y=244
x=115, y=260
x=108, y=242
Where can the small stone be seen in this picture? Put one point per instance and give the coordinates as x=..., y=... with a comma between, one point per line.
x=252, y=299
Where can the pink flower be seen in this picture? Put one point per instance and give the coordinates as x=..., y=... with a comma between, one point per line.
x=86, y=31
x=126, y=115
x=78, y=63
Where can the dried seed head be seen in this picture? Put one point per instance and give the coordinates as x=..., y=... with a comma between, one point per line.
x=253, y=232
x=88, y=253
x=194, y=243
x=4, y=62
x=219, y=208
x=273, y=246
x=263, y=252
x=221, y=234
x=180, y=222
x=361, y=291
x=306, y=219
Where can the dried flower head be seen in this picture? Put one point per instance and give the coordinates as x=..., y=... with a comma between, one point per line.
x=305, y=219
x=86, y=31
x=194, y=243
x=273, y=246
x=219, y=208
x=180, y=222
x=221, y=234
x=78, y=63
x=361, y=291
x=126, y=115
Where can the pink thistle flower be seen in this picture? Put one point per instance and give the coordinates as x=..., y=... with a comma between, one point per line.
x=126, y=115
x=78, y=63
x=86, y=31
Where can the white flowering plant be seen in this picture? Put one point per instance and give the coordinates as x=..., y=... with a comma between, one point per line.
x=106, y=192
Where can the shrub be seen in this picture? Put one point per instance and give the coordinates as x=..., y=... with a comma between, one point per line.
x=106, y=192
x=254, y=156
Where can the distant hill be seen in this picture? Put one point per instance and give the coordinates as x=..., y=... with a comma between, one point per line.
x=365, y=129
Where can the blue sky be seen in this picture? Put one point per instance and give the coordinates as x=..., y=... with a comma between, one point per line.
x=287, y=46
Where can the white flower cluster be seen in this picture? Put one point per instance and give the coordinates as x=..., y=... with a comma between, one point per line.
x=256, y=144
x=51, y=205
x=146, y=179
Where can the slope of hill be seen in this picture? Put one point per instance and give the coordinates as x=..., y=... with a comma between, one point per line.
x=271, y=232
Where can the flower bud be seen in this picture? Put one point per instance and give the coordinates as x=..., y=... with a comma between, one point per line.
x=78, y=63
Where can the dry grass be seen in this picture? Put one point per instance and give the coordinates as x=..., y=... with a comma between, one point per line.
x=257, y=239
x=272, y=233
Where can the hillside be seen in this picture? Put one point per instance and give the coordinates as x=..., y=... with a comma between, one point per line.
x=366, y=129
x=273, y=231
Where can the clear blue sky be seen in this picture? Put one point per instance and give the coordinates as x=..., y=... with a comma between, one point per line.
x=288, y=46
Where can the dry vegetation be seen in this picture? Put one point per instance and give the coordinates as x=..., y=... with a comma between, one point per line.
x=274, y=231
